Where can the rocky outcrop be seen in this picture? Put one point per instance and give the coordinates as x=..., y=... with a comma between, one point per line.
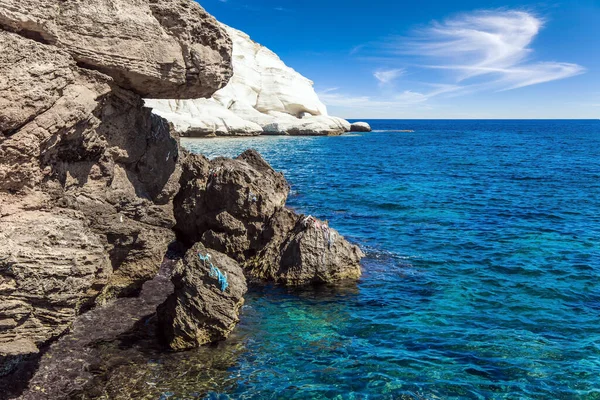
x=209, y=290
x=53, y=265
x=360, y=127
x=156, y=48
x=87, y=174
x=264, y=96
x=92, y=183
x=237, y=207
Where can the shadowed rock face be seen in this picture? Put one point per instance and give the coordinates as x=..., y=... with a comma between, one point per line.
x=69, y=366
x=204, y=308
x=87, y=174
x=238, y=207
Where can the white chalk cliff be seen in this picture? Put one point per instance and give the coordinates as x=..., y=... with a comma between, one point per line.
x=264, y=96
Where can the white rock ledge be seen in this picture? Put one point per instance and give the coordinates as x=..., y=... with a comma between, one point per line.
x=264, y=96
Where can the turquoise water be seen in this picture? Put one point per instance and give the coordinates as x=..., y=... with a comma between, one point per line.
x=481, y=276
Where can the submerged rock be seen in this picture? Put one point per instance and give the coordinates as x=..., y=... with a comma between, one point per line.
x=360, y=127
x=209, y=290
x=237, y=206
x=70, y=365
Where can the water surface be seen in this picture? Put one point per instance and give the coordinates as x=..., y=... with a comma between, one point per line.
x=481, y=275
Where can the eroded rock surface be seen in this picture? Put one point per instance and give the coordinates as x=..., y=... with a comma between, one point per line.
x=68, y=368
x=92, y=184
x=237, y=206
x=157, y=48
x=209, y=290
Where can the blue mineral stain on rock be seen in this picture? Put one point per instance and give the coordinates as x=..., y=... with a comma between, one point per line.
x=482, y=272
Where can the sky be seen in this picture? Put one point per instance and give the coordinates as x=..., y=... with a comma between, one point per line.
x=434, y=58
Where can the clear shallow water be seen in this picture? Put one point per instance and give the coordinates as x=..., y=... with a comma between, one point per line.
x=481, y=276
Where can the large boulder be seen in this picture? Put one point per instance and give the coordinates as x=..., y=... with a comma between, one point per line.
x=360, y=127
x=264, y=96
x=303, y=250
x=227, y=203
x=237, y=207
x=156, y=48
x=209, y=290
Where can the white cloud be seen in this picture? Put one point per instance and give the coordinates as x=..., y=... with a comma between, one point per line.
x=491, y=45
x=385, y=76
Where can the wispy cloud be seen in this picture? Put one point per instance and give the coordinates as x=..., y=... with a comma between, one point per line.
x=473, y=52
x=385, y=76
x=333, y=97
x=356, y=49
x=491, y=45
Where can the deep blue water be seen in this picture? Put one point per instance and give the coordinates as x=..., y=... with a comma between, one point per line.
x=482, y=272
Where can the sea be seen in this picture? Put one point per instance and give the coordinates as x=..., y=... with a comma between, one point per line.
x=480, y=281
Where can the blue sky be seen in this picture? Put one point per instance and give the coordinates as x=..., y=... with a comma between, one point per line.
x=434, y=59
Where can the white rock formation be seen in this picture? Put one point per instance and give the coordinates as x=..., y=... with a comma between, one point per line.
x=360, y=127
x=264, y=96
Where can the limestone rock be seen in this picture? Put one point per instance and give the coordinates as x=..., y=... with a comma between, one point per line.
x=157, y=48
x=303, y=250
x=264, y=82
x=360, y=127
x=263, y=96
x=316, y=253
x=203, y=117
x=203, y=309
x=237, y=207
x=227, y=202
x=51, y=266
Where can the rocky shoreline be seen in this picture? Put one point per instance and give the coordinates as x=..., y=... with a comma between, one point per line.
x=94, y=188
